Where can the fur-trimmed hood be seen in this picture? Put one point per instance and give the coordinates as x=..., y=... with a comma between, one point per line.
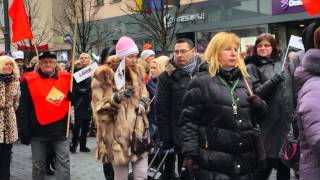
x=310, y=66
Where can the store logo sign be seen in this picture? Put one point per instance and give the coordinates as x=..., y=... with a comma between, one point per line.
x=287, y=6
x=290, y=3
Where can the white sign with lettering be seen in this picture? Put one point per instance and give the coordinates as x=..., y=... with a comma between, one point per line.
x=85, y=72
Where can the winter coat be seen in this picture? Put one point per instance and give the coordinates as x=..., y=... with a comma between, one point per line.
x=275, y=124
x=221, y=143
x=28, y=124
x=151, y=87
x=308, y=76
x=82, y=94
x=9, y=101
x=172, y=85
x=114, y=129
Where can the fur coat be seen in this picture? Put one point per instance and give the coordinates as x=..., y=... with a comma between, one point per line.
x=114, y=128
x=9, y=101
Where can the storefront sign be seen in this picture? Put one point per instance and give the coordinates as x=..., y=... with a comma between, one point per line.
x=185, y=18
x=287, y=6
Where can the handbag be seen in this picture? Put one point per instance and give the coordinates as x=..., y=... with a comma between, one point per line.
x=290, y=151
x=143, y=144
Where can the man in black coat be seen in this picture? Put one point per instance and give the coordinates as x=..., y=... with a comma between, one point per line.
x=172, y=85
x=42, y=116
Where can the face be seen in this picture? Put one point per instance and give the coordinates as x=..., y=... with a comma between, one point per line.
x=47, y=65
x=19, y=62
x=154, y=70
x=8, y=68
x=62, y=67
x=131, y=60
x=84, y=60
x=228, y=56
x=149, y=59
x=264, y=48
x=183, y=53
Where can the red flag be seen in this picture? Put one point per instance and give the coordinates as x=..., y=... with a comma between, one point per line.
x=312, y=6
x=20, y=25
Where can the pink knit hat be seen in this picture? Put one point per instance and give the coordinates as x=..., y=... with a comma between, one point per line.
x=125, y=47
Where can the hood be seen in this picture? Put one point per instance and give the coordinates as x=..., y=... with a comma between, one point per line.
x=307, y=35
x=310, y=66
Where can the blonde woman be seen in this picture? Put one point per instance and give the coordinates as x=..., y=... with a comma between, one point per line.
x=216, y=123
x=9, y=101
x=82, y=108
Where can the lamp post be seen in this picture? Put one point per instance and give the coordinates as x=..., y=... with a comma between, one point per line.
x=6, y=32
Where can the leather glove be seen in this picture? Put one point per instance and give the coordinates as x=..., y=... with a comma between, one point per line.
x=189, y=168
x=117, y=97
x=277, y=78
x=72, y=97
x=255, y=101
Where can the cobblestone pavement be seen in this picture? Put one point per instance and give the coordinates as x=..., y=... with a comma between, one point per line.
x=83, y=165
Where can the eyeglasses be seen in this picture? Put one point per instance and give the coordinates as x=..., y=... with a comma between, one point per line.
x=263, y=45
x=182, y=51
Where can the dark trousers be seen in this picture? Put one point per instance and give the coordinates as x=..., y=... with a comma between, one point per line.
x=283, y=172
x=81, y=125
x=108, y=171
x=5, y=158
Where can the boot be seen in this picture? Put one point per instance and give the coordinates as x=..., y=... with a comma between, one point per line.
x=83, y=143
x=73, y=145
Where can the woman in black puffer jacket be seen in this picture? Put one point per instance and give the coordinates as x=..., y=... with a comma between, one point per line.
x=268, y=82
x=216, y=124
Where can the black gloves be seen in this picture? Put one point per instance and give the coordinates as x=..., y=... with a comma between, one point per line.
x=72, y=97
x=259, y=106
x=255, y=101
x=25, y=138
x=189, y=168
x=277, y=78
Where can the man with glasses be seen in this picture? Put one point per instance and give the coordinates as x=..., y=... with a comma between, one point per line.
x=172, y=85
x=42, y=116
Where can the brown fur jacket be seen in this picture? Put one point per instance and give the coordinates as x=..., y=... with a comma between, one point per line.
x=114, y=128
x=9, y=101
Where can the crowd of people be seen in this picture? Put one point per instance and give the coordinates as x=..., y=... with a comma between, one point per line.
x=220, y=115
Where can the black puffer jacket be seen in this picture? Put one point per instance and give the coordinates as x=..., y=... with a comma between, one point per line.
x=172, y=85
x=275, y=124
x=222, y=143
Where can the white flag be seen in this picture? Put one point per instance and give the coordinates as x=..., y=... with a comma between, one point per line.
x=296, y=42
x=119, y=76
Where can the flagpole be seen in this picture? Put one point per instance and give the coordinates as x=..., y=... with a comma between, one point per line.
x=35, y=47
x=285, y=59
x=6, y=31
x=74, y=39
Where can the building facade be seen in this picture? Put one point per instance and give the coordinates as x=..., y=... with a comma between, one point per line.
x=246, y=18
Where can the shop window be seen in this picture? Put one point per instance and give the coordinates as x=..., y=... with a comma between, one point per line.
x=100, y=2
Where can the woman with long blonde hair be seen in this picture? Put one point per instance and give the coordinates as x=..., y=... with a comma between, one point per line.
x=216, y=122
x=9, y=101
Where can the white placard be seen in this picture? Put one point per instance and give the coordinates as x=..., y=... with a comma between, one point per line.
x=119, y=76
x=85, y=72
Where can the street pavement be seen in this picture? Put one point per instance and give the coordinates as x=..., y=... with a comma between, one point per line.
x=84, y=166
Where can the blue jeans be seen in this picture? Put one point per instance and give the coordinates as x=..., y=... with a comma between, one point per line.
x=39, y=154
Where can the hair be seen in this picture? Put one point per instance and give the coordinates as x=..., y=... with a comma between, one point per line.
x=276, y=53
x=161, y=63
x=113, y=62
x=85, y=54
x=316, y=36
x=6, y=59
x=185, y=40
x=216, y=45
x=106, y=52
